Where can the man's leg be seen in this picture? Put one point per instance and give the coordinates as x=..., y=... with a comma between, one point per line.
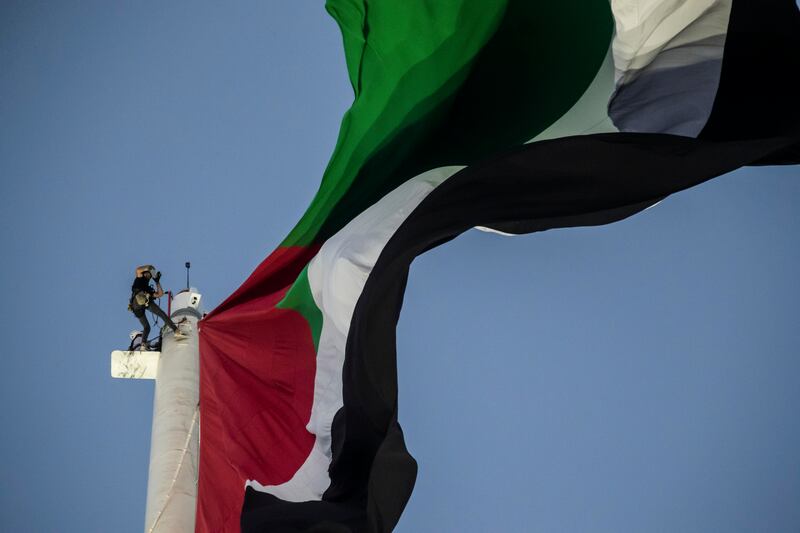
x=145, y=326
x=156, y=310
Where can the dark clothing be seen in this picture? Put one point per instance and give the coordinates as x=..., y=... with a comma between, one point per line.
x=156, y=310
x=140, y=285
x=143, y=285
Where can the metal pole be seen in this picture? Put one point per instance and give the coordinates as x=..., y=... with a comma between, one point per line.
x=174, y=443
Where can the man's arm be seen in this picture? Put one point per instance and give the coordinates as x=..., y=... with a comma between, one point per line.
x=159, y=291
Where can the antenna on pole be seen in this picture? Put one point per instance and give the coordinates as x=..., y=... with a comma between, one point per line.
x=188, y=266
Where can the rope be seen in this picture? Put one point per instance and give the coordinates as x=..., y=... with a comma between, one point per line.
x=178, y=469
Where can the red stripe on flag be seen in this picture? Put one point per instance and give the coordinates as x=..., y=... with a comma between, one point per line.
x=257, y=368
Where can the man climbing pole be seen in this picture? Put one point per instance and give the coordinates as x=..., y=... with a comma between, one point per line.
x=143, y=297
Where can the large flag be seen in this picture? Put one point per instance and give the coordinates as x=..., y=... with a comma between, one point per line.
x=512, y=116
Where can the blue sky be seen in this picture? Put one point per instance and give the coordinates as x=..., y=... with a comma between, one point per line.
x=642, y=376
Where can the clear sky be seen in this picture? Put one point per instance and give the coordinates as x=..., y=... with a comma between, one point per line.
x=642, y=376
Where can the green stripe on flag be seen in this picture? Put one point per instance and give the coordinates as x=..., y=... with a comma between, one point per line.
x=404, y=52
x=448, y=82
x=299, y=298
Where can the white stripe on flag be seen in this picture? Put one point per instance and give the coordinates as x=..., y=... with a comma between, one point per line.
x=337, y=275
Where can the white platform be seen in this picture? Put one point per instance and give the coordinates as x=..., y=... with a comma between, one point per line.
x=134, y=365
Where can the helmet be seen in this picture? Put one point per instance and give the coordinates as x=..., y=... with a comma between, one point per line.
x=135, y=333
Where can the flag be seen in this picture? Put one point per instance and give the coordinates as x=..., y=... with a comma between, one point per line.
x=511, y=116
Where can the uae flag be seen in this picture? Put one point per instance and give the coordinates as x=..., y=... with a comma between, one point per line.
x=507, y=115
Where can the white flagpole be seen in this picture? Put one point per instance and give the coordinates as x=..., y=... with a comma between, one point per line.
x=174, y=441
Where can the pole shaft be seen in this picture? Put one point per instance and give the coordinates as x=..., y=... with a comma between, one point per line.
x=174, y=444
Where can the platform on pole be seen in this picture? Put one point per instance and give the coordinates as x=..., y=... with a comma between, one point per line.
x=136, y=364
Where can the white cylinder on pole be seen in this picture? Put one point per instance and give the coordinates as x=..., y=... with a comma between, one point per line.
x=174, y=442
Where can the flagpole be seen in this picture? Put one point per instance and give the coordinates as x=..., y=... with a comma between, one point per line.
x=174, y=441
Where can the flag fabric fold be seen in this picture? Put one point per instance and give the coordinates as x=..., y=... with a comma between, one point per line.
x=512, y=116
